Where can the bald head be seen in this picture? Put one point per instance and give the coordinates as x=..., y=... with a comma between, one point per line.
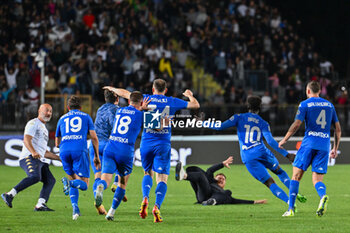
x=45, y=113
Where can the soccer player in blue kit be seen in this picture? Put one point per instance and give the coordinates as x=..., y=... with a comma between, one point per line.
x=71, y=137
x=318, y=114
x=119, y=151
x=155, y=145
x=103, y=127
x=251, y=129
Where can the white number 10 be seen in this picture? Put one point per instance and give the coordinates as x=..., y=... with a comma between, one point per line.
x=249, y=134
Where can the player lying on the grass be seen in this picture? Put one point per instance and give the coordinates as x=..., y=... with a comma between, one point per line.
x=119, y=151
x=103, y=127
x=319, y=115
x=32, y=160
x=71, y=136
x=155, y=145
x=209, y=189
x=251, y=129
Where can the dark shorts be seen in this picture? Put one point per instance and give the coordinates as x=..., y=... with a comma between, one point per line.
x=33, y=167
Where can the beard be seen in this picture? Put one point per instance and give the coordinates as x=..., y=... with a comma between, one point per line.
x=45, y=118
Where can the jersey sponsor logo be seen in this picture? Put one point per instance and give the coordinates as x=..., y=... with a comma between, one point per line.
x=319, y=104
x=318, y=134
x=72, y=137
x=119, y=139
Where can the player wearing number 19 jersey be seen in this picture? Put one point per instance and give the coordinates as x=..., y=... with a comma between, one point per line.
x=71, y=138
x=251, y=129
x=318, y=114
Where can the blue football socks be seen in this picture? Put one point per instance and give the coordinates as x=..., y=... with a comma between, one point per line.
x=160, y=193
x=293, y=192
x=320, y=188
x=74, y=196
x=95, y=185
x=278, y=192
x=118, y=197
x=79, y=184
x=147, y=183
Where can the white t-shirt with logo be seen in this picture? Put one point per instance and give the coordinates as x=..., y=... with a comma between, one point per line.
x=38, y=131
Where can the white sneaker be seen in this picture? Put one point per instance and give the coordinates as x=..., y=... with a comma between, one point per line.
x=110, y=214
x=289, y=213
x=179, y=171
x=99, y=195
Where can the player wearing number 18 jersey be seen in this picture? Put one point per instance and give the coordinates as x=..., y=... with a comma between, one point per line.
x=119, y=151
x=318, y=114
x=71, y=138
x=251, y=129
x=155, y=145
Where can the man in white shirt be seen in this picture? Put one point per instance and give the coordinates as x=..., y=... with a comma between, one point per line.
x=32, y=160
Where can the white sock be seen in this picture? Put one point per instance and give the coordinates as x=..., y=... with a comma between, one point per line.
x=40, y=203
x=111, y=211
x=13, y=192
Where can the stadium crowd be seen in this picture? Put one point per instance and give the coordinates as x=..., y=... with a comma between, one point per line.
x=92, y=43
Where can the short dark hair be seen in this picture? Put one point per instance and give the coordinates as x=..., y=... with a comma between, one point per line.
x=254, y=103
x=74, y=102
x=159, y=84
x=220, y=174
x=314, y=86
x=110, y=97
x=136, y=97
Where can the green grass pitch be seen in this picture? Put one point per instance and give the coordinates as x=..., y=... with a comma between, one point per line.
x=178, y=211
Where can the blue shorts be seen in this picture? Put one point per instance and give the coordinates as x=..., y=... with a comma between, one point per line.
x=156, y=158
x=317, y=158
x=258, y=167
x=116, y=162
x=76, y=162
x=101, y=146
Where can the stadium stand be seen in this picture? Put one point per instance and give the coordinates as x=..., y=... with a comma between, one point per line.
x=222, y=50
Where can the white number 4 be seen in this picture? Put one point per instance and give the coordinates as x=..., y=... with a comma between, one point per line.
x=321, y=119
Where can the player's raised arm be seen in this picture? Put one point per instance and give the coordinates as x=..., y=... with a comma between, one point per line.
x=119, y=91
x=193, y=103
x=227, y=124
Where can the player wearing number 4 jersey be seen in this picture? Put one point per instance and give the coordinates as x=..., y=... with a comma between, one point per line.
x=255, y=155
x=318, y=114
x=71, y=138
x=155, y=145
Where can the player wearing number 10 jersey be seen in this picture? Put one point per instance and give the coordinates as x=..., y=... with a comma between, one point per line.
x=255, y=155
x=71, y=138
x=318, y=114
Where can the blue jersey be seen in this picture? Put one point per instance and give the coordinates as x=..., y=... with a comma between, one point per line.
x=251, y=129
x=104, y=121
x=127, y=125
x=167, y=106
x=318, y=115
x=73, y=128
